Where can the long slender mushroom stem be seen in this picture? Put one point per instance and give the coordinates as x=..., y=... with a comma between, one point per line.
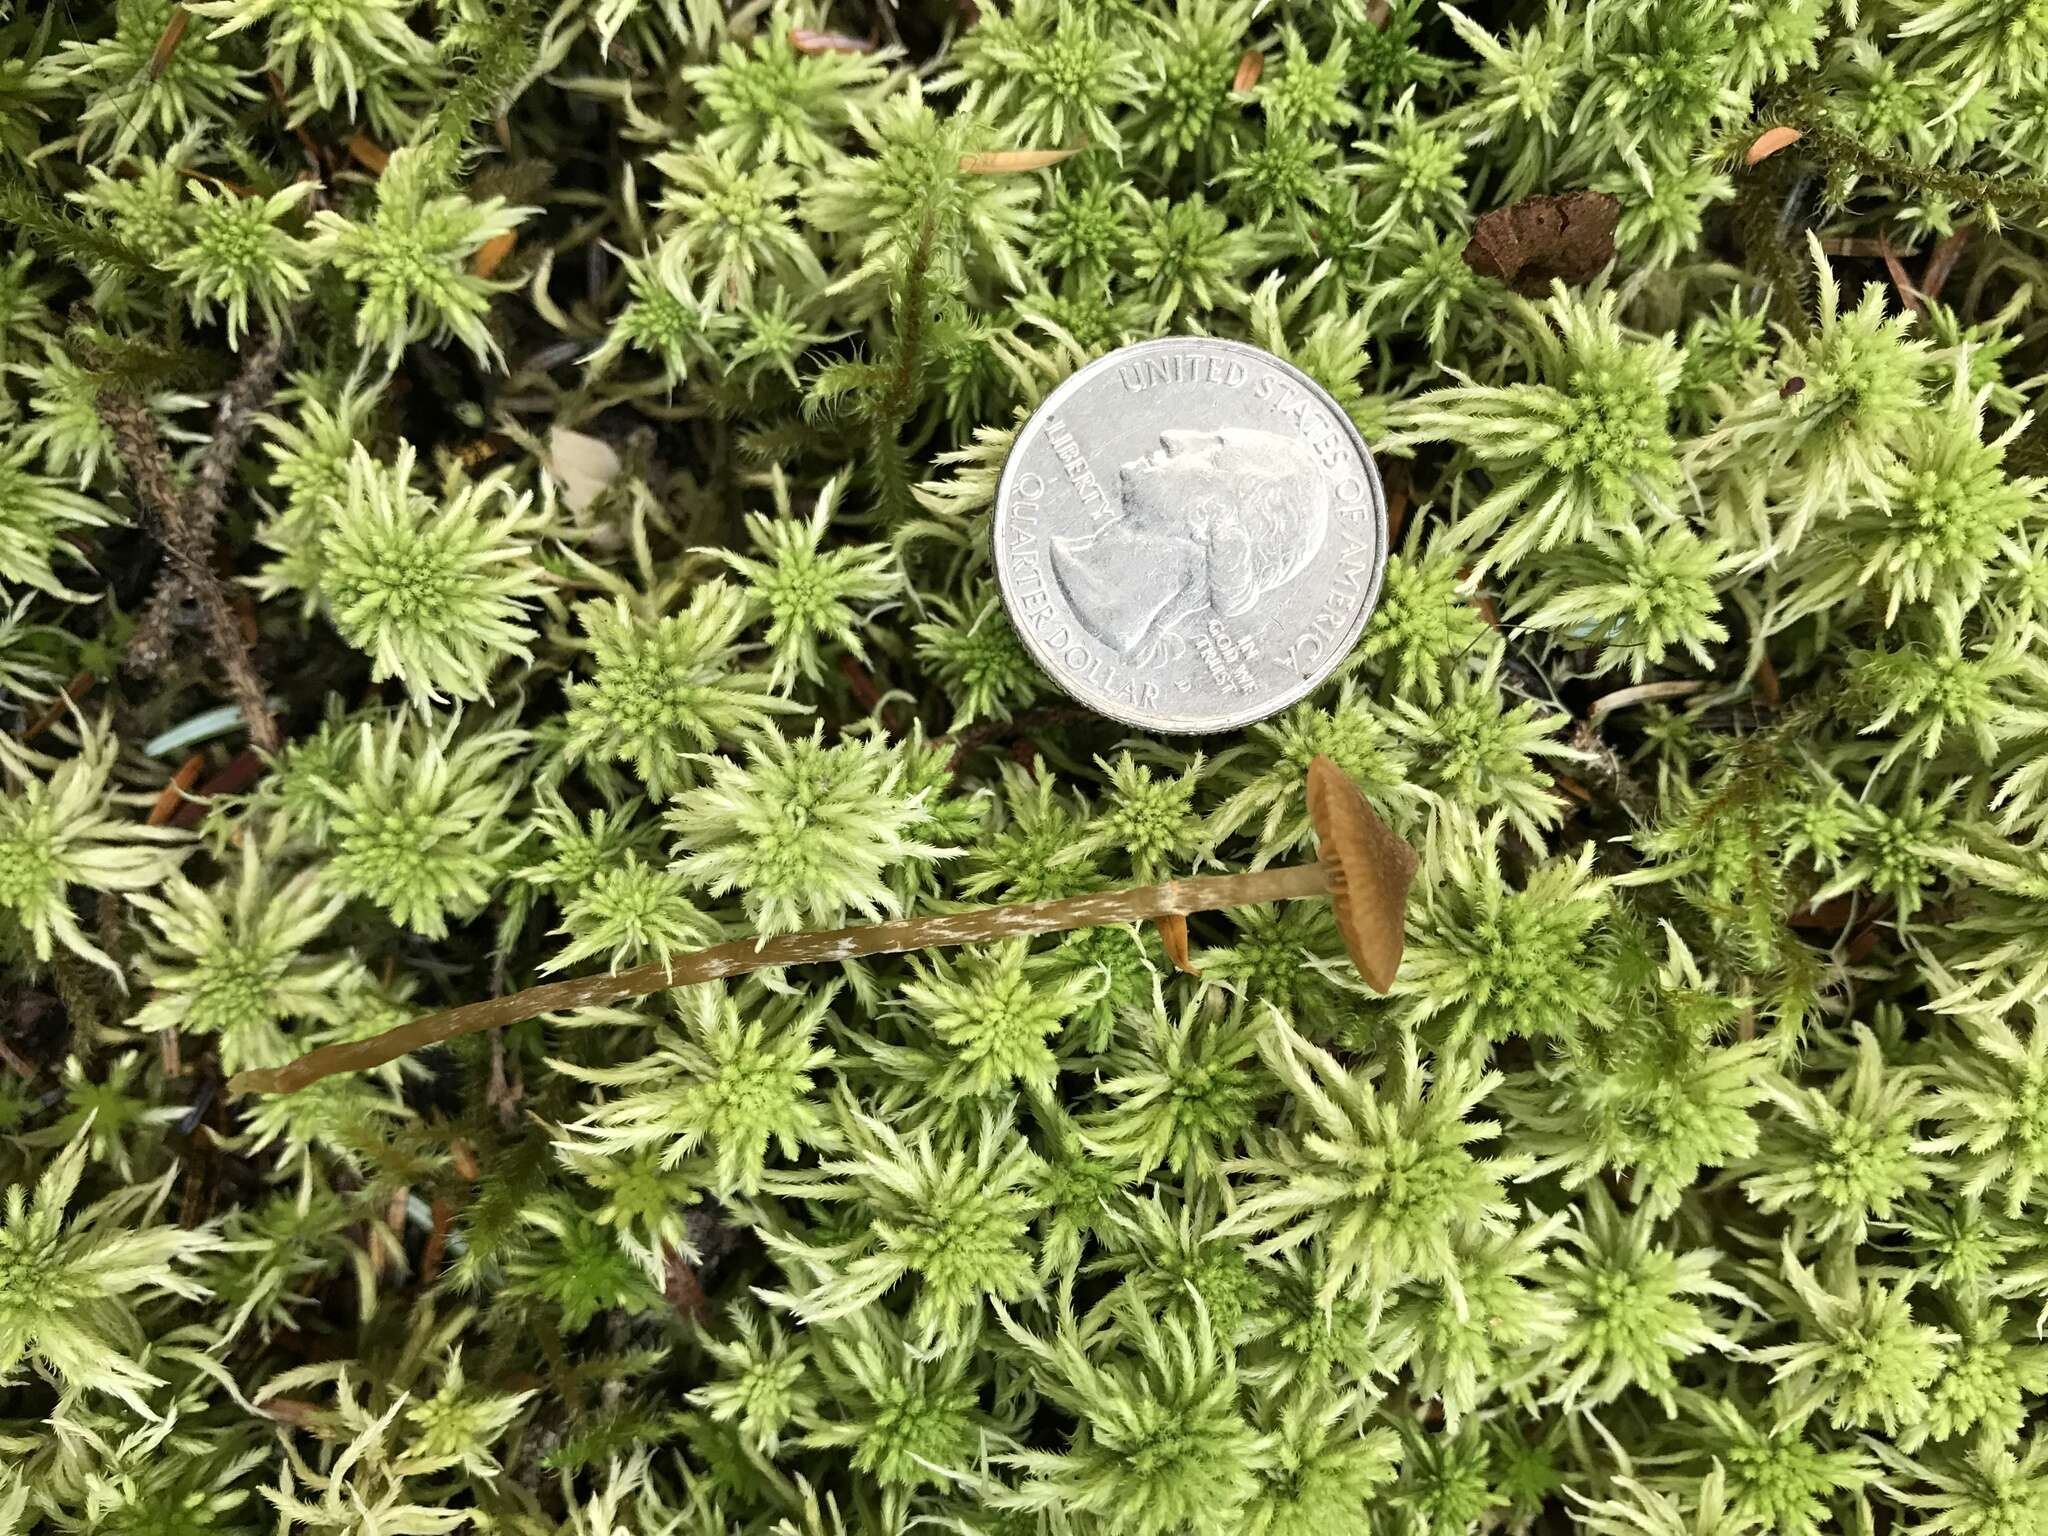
x=1361, y=866
x=1201, y=893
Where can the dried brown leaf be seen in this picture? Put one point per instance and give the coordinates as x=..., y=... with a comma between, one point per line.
x=290, y=1410
x=804, y=40
x=1395, y=480
x=443, y=1212
x=1526, y=245
x=239, y=188
x=492, y=253
x=996, y=162
x=1767, y=682
x=1832, y=913
x=481, y=450
x=368, y=153
x=1769, y=142
x=1483, y=602
x=681, y=1287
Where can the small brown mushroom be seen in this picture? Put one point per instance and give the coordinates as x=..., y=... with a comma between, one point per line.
x=1369, y=870
x=1361, y=865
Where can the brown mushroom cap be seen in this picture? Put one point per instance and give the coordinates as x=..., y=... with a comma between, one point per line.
x=1369, y=870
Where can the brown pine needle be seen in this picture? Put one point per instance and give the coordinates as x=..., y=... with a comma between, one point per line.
x=369, y=154
x=167, y=41
x=492, y=253
x=173, y=796
x=80, y=685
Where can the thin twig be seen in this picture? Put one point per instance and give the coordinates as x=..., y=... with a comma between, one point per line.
x=1942, y=261
x=233, y=420
x=142, y=452
x=443, y=1211
x=167, y=42
x=79, y=686
x=308, y=146
x=242, y=770
x=1604, y=764
x=504, y=1092
x=1908, y=294
x=1641, y=693
x=865, y=693
x=189, y=550
x=176, y=793
x=156, y=630
x=185, y=521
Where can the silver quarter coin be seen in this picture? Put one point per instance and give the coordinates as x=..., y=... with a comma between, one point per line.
x=1189, y=534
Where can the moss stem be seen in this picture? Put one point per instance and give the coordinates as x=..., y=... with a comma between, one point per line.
x=1201, y=893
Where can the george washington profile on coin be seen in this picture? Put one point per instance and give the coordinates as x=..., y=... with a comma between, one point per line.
x=1189, y=534
x=1210, y=523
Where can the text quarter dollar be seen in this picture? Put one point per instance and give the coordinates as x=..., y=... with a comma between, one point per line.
x=1189, y=534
